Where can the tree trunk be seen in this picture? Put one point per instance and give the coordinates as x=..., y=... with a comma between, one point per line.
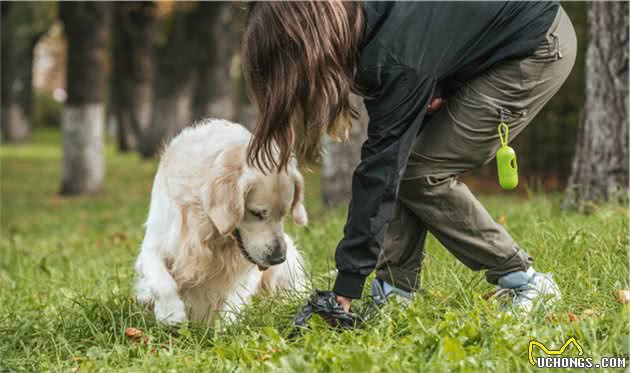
x=245, y=111
x=215, y=96
x=171, y=113
x=17, y=80
x=600, y=164
x=19, y=35
x=135, y=29
x=340, y=159
x=87, y=30
x=176, y=77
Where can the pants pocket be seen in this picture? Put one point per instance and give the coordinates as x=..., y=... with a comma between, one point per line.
x=549, y=49
x=556, y=53
x=494, y=108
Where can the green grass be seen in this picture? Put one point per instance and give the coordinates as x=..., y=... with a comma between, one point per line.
x=66, y=287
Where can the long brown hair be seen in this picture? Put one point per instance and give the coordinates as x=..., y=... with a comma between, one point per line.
x=298, y=61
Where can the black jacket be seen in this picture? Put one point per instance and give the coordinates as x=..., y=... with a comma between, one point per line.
x=407, y=49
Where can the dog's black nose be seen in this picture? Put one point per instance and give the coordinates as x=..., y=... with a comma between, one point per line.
x=278, y=253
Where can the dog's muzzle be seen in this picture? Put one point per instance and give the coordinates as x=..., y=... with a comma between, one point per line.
x=239, y=240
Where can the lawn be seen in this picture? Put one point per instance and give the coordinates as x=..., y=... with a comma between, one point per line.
x=66, y=288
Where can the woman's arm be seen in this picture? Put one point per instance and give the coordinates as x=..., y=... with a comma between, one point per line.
x=396, y=113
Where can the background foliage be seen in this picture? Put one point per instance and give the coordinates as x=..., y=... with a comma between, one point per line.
x=66, y=299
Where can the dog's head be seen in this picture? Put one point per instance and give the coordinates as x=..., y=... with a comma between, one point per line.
x=242, y=201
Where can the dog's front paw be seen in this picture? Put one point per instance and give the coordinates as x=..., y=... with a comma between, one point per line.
x=144, y=295
x=144, y=298
x=170, y=311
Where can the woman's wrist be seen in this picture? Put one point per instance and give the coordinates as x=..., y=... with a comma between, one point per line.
x=345, y=302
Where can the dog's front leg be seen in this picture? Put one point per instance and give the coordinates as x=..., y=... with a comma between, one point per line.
x=155, y=285
x=233, y=306
x=240, y=296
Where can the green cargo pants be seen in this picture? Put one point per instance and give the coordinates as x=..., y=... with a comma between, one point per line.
x=461, y=136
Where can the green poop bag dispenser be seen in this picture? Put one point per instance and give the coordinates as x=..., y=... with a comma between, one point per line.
x=507, y=168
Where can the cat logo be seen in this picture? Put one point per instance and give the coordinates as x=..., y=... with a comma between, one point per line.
x=553, y=352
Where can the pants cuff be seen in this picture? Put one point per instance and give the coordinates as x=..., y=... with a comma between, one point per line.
x=349, y=284
x=404, y=279
x=521, y=261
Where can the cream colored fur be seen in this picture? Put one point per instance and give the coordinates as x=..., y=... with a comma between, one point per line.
x=190, y=265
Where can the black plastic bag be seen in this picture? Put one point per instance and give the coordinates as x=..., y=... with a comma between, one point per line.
x=324, y=303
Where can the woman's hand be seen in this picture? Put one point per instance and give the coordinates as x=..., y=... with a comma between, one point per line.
x=435, y=105
x=345, y=302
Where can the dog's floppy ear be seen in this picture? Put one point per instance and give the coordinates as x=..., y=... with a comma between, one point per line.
x=223, y=194
x=298, y=211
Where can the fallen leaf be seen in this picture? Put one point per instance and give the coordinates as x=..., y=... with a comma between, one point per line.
x=572, y=316
x=501, y=220
x=133, y=332
x=136, y=335
x=623, y=296
x=489, y=295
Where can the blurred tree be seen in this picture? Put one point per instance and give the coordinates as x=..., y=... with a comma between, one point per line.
x=178, y=53
x=215, y=95
x=546, y=147
x=340, y=159
x=87, y=26
x=23, y=23
x=245, y=112
x=600, y=166
x=134, y=36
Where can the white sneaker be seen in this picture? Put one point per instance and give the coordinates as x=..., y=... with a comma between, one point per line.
x=540, y=289
x=382, y=292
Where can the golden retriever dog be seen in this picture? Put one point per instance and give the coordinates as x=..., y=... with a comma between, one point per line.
x=214, y=235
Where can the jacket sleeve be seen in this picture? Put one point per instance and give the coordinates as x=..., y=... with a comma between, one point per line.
x=396, y=110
